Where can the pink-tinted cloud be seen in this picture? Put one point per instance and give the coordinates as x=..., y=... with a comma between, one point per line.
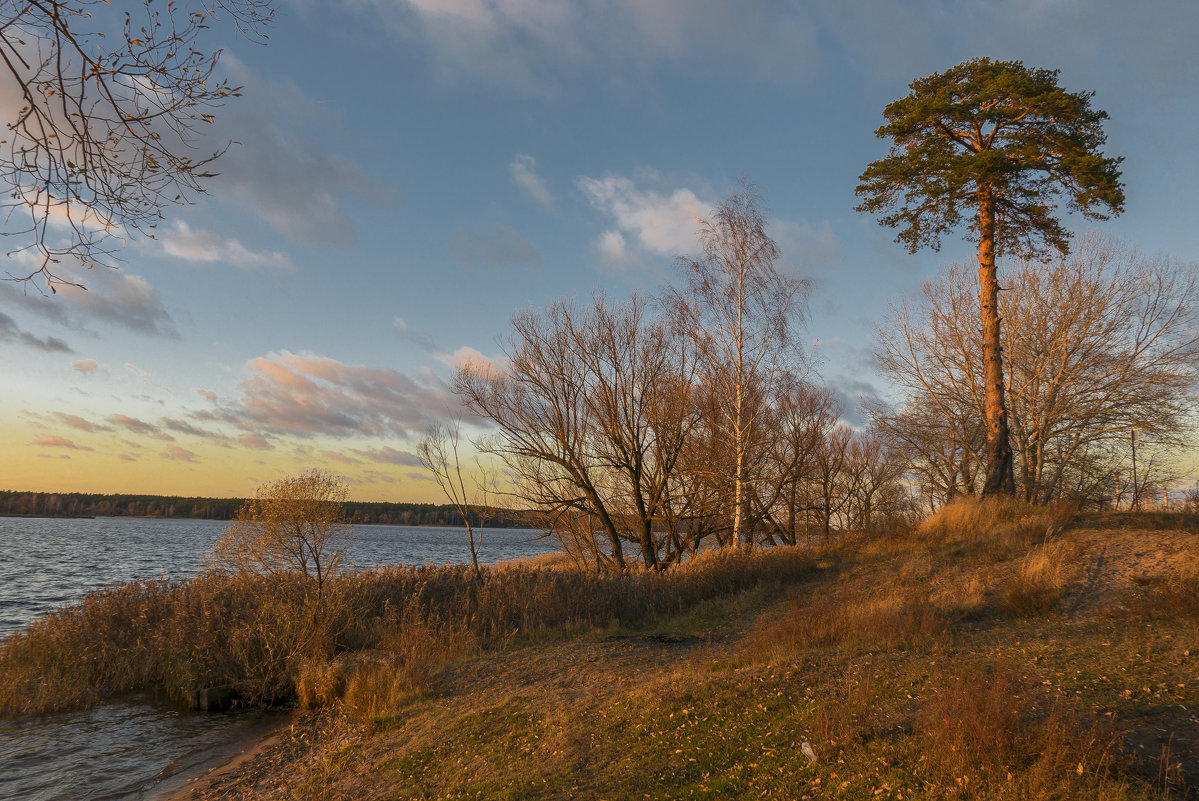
x=389, y=455
x=85, y=366
x=138, y=426
x=75, y=421
x=335, y=456
x=112, y=297
x=178, y=454
x=52, y=441
x=305, y=394
x=184, y=427
x=255, y=442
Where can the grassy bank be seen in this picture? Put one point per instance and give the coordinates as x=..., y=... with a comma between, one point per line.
x=1006, y=655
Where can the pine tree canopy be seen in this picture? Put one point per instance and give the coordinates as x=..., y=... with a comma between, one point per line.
x=991, y=130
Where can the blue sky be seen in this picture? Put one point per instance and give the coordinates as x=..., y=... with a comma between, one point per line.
x=408, y=173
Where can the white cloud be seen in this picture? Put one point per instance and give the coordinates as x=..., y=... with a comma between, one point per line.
x=280, y=170
x=467, y=356
x=532, y=45
x=183, y=242
x=524, y=175
x=612, y=246
x=660, y=223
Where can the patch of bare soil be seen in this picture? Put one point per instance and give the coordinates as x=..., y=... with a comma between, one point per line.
x=1118, y=566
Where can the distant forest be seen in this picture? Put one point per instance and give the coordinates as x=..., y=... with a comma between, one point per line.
x=82, y=504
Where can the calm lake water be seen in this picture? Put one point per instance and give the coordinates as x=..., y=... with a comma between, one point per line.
x=135, y=749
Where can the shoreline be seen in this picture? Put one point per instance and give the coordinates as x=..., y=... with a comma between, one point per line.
x=224, y=761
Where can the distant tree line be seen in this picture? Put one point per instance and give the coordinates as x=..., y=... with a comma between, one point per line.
x=82, y=504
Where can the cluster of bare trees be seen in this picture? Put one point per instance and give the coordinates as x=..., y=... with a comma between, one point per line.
x=646, y=429
x=655, y=427
x=1103, y=352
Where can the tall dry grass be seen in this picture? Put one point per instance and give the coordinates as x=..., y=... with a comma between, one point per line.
x=994, y=527
x=985, y=737
x=258, y=633
x=1039, y=581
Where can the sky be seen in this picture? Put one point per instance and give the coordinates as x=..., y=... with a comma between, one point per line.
x=407, y=174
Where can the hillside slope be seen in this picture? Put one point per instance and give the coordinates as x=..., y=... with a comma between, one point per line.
x=1017, y=657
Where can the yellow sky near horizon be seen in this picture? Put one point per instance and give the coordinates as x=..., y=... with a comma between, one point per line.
x=36, y=460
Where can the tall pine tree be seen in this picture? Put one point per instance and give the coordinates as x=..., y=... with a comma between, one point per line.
x=991, y=144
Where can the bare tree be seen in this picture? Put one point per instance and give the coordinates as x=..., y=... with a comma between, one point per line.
x=294, y=531
x=739, y=311
x=295, y=526
x=592, y=417
x=103, y=129
x=1100, y=342
x=800, y=419
x=438, y=450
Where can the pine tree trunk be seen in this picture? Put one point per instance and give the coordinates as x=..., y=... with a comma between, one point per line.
x=1001, y=479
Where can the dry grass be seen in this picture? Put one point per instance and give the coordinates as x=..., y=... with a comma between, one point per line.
x=884, y=620
x=259, y=635
x=1040, y=580
x=919, y=667
x=985, y=739
x=998, y=528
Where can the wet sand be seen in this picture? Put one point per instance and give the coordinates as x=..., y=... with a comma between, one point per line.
x=225, y=760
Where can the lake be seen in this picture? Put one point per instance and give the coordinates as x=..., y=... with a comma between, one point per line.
x=136, y=749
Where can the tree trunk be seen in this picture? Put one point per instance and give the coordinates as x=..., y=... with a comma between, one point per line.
x=1001, y=479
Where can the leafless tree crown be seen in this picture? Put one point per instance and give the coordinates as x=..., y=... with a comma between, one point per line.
x=103, y=111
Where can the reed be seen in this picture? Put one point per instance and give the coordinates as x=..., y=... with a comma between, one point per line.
x=263, y=635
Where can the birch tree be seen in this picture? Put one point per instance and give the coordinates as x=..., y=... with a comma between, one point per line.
x=739, y=312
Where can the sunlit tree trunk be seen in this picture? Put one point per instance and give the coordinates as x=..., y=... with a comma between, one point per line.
x=1001, y=478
